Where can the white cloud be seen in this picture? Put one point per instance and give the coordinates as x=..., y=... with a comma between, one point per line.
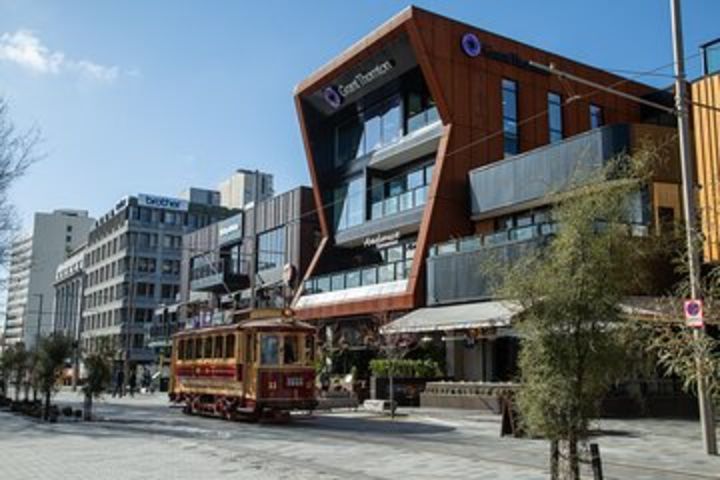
x=25, y=49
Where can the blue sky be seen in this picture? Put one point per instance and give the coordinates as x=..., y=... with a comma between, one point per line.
x=139, y=96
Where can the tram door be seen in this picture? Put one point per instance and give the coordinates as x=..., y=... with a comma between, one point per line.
x=249, y=370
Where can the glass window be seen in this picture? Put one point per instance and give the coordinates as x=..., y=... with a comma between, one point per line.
x=189, y=350
x=207, y=347
x=350, y=142
x=269, y=350
x=230, y=346
x=555, y=120
x=392, y=121
x=510, y=117
x=337, y=282
x=309, y=349
x=291, y=350
x=415, y=179
x=271, y=249
x=596, y=116
x=369, y=276
x=352, y=279
x=219, y=344
x=349, y=204
x=373, y=131
x=711, y=58
x=323, y=284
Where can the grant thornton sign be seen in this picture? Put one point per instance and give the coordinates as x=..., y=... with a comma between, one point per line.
x=336, y=94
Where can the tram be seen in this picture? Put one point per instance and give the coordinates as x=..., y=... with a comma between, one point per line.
x=256, y=368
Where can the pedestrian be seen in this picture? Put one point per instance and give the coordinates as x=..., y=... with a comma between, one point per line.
x=119, y=380
x=146, y=380
x=132, y=383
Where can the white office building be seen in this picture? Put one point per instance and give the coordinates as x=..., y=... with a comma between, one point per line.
x=34, y=260
x=238, y=190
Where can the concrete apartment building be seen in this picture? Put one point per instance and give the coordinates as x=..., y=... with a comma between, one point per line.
x=33, y=263
x=238, y=190
x=132, y=263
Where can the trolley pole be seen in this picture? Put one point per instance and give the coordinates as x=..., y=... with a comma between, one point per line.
x=707, y=419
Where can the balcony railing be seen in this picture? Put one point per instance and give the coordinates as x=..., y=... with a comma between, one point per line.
x=218, y=276
x=416, y=197
x=359, y=277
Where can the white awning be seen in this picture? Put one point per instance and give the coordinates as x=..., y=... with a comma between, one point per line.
x=455, y=317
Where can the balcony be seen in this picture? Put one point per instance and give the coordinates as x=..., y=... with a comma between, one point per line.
x=217, y=277
x=357, y=284
x=422, y=141
x=457, y=271
x=401, y=213
x=524, y=181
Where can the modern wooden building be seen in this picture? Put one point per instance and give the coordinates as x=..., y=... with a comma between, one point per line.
x=429, y=130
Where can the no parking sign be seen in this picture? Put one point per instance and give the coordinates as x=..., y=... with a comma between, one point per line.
x=694, y=313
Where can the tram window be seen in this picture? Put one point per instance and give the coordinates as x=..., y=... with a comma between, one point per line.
x=198, y=347
x=181, y=349
x=269, y=350
x=189, y=355
x=230, y=346
x=208, y=350
x=219, y=344
x=309, y=348
x=290, y=350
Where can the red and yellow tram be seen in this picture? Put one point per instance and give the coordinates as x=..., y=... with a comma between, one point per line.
x=254, y=368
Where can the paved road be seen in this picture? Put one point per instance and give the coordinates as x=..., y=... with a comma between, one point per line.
x=143, y=438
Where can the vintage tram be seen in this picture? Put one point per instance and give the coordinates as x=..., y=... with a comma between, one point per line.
x=255, y=368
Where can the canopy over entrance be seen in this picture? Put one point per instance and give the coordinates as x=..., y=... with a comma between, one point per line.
x=455, y=317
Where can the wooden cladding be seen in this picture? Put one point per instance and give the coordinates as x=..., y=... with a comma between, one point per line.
x=706, y=91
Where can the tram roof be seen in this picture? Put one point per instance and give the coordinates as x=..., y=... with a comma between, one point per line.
x=278, y=323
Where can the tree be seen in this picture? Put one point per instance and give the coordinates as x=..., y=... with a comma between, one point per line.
x=5, y=371
x=97, y=381
x=17, y=153
x=53, y=352
x=18, y=360
x=569, y=293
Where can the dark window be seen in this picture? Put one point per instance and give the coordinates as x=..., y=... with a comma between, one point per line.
x=555, y=120
x=230, y=346
x=596, y=116
x=219, y=344
x=181, y=349
x=269, y=350
x=190, y=351
x=271, y=249
x=208, y=347
x=290, y=350
x=510, y=117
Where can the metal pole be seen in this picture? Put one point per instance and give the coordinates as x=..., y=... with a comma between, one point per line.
x=254, y=254
x=39, y=319
x=707, y=419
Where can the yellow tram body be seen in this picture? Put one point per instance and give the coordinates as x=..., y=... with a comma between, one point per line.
x=253, y=367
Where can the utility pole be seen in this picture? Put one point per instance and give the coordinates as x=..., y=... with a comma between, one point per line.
x=707, y=419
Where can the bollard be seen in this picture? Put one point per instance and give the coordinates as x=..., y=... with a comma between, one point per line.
x=595, y=461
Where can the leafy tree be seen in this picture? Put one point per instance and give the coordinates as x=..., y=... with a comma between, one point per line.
x=569, y=293
x=5, y=371
x=53, y=351
x=18, y=361
x=99, y=375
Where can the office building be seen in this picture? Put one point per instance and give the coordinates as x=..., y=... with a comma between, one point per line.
x=132, y=263
x=217, y=262
x=69, y=287
x=431, y=141
x=33, y=263
x=238, y=190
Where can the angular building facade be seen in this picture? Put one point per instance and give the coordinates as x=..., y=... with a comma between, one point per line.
x=429, y=130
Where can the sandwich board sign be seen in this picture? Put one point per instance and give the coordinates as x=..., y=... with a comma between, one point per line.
x=694, y=313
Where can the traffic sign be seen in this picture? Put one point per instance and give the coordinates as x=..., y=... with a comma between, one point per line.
x=694, y=313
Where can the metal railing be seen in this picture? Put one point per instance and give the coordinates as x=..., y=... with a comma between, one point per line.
x=399, y=203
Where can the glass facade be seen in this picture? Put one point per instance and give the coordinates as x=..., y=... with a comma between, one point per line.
x=378, y=125
x=395, y=264
x=348, y=204
x=596, y=116
x=711, y=57
x=403, y=192
x=510, y=117
x=555, y=118
x=271, y=249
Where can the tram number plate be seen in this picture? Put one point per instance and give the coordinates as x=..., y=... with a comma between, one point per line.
x=295, y=382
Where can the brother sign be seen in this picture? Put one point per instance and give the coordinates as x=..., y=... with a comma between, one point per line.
x=155, y=201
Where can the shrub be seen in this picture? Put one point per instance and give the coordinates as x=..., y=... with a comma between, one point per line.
x=404, y=368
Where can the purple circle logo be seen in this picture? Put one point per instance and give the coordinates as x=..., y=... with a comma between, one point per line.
x=471, y=45
x=332, y=97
